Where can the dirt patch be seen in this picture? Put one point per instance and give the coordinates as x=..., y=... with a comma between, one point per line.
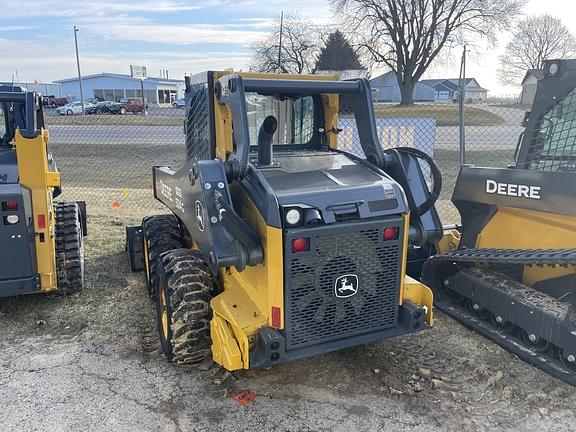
x=91, y=362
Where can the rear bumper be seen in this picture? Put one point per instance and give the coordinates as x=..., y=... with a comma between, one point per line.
x=270, y=347
x=15, y=287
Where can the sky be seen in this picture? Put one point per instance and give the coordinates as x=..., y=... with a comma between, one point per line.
x=181, y=36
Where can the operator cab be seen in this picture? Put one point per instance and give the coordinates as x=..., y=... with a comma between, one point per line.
x=548, y=143
x=12, y=114
x=290, y=151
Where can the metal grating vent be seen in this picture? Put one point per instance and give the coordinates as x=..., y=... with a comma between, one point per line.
x=315, y=314
x=197, y=127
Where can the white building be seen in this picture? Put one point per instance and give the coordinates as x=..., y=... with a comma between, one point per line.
x=529, y=84
x=448, y=89
x=111, y=86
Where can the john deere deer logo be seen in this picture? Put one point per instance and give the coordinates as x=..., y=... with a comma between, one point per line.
x=346, y=285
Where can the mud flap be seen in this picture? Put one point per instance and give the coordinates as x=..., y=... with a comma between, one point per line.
x=135, y=247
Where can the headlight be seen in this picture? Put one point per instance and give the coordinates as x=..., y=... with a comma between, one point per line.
x=293, y=216
x=12, y=219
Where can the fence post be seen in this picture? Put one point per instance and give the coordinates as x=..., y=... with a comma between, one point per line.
x=461, y=91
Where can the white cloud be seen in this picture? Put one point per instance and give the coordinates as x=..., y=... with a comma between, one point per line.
x=61, y=8
x=79, y=8
x=172, y=34
x=9, y=28
x=52, y=61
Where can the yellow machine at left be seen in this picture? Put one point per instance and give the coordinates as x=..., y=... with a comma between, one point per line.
x=42, y=239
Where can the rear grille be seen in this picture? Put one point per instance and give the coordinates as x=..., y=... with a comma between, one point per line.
x=314, y=313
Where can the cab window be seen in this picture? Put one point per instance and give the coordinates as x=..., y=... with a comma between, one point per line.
x=295, y=117
x=3, y=121
x=553, y=146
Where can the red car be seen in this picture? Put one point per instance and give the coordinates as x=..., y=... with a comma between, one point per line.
x=133, y=106
x=53, y=101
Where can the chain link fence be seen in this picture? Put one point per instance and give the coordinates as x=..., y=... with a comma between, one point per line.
x=107, y=159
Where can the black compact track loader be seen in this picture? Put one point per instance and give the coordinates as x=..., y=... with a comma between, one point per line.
x=42, y=241
x=280, y=245
x=510, y=271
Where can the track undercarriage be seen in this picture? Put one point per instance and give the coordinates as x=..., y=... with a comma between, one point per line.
x=482, y=289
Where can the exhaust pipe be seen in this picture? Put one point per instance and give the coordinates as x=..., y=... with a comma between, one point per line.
x=265, y=136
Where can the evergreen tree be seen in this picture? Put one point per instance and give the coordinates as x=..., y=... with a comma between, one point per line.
x=337, y=54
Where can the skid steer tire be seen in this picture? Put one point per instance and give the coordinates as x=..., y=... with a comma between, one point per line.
x=69, y=248
x=160, y=234
x=185, y=287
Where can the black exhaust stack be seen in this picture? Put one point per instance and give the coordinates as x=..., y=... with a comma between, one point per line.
x=265, y=136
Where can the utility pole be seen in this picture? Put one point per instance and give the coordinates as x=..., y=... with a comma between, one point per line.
x=461, y=107
x=78, y=65
x=280, y=44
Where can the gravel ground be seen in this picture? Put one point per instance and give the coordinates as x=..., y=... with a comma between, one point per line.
x=91, y=362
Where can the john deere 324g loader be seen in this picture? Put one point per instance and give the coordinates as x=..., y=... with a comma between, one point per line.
x=279, y=245
x=511, y=275
x=41, y=240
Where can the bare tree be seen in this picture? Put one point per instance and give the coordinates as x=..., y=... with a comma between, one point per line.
x=300, y=46
x=536, y=39
x=407, y=35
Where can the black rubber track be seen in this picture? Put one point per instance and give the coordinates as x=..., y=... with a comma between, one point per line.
x=161, y=234
x=440, y=266
x=188, y=286
x=510, y=342
x=69, y=248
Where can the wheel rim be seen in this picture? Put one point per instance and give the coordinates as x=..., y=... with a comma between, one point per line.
x=164, y=313
x=81, y=252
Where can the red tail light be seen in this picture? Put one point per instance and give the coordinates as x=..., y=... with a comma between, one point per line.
x=41, y=221
x=10, y=205
x=390, y=233
x=276, y=317
x=300, y=245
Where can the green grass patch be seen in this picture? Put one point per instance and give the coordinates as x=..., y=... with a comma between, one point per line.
x=445, y=115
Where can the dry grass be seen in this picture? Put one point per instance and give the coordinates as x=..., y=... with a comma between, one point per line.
x=445, y=115
x=117, y=120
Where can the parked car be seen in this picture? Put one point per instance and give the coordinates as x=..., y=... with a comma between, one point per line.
x=179, y=103
x=73, y=108
x=53, y=101
x=117, y=108
x=135, y=107
x=106, y=107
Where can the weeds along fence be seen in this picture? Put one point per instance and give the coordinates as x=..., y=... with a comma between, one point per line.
x=107, y=160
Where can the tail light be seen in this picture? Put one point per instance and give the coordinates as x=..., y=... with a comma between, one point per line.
x=300, y=245
x=41, y=221
x=9, y=205
x=276, y=314
x=391, y=233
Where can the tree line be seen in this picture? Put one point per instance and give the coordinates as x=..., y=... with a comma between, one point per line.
x=408, y=36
